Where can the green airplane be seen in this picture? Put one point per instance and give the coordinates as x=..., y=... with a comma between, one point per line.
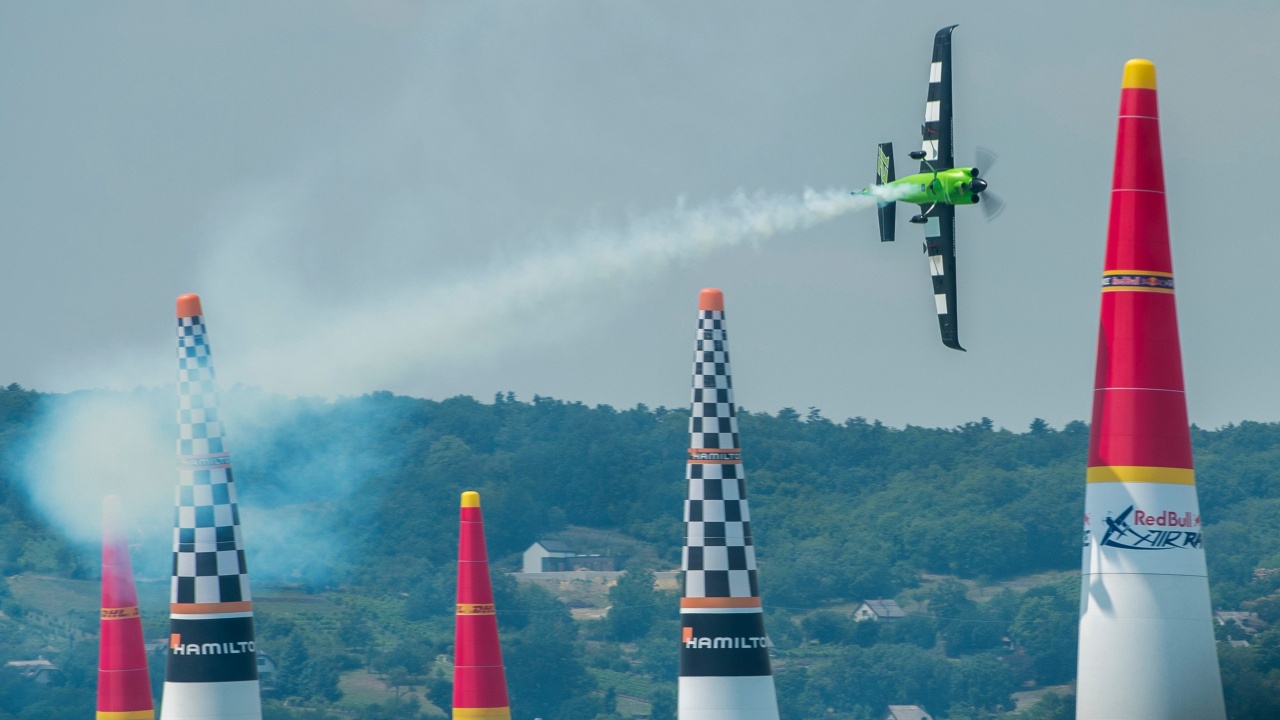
x=938, y=188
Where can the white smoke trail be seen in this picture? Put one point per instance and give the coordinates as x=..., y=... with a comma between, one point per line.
x=87, y=445
x=92, y=444
x=378, y=346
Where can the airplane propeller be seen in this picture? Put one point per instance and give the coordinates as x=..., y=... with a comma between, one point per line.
x=991, y=203
x=984, y=158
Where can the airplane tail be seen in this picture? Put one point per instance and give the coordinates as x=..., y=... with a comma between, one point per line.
x=886, y=211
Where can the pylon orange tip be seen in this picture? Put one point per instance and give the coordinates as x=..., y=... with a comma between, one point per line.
x=1139, y=73
x=471, y=498
x=189, y=305
x=711, y=299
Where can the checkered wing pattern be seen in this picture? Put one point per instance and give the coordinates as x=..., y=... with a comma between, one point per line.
x=937, y=128
x=719, y=559
x=208, y=554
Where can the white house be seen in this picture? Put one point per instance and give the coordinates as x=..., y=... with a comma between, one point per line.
x=906, y=712
x=878, y=610
x=39, y=670
x=540, y=551
x=554, y=556
x=1248, y=621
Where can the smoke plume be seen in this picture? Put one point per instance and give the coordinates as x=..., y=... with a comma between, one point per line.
x=378, y=344
x=91, y=444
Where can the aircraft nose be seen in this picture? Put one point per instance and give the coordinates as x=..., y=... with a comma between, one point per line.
x=978, y=185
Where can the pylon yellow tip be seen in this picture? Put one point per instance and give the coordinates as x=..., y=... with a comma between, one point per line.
x=1139, y=74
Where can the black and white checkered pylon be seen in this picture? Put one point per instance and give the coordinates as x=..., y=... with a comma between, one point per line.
x=719, y=559
x=208, y=553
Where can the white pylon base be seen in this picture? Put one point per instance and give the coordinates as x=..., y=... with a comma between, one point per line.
x=727, y=698
x=1147, y=650
x=212, y=701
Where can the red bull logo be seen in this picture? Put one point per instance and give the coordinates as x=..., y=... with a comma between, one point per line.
x=1138, y=281
x=1168, y=518
x=1135, y=529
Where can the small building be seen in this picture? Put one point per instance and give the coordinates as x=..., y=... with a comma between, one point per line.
x=554, y=556
x=266, y=666
x=536, y=557
x=879, y=610
x=906, y=712
x=39, y=670
x=1248, y=621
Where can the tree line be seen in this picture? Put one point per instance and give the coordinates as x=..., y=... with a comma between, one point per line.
x=842, y=511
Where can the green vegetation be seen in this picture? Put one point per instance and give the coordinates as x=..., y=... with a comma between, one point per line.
x=26, y=544
x=950, y=522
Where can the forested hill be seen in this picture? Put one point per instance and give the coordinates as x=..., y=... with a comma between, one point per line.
x=350, y=507
x=840, y=510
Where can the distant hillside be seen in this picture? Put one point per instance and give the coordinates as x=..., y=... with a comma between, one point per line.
x=841, y=511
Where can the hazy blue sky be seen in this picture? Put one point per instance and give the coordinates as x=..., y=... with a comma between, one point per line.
x=359, y=191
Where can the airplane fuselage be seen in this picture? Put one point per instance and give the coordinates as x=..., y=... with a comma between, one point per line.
x=949, y=187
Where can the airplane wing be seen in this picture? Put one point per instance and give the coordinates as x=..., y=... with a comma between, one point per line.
x=940, y=246
x=936, y=130
x=940, y=220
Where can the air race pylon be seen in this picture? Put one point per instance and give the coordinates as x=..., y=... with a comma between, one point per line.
x=724, y=653
x=124, y=687
x=212, y=669
x=1146, y=633
x=479, y=682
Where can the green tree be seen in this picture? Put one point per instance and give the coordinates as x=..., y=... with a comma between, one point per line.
x=1046, y=629
x=658, y=652
x=1052, y=706
x=916, y=630
x=828, y=627
x=610, y=703
x=1249, y=693
x=633, y=605
x=783, y=630
x=543, y=660
x=964, y=625
x=1266, y=649
x=355, y=632
x=984, y=682
x=432, y=597
x=440, y=692
x=897, y=674
x=663, y=703
x=583, y=706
